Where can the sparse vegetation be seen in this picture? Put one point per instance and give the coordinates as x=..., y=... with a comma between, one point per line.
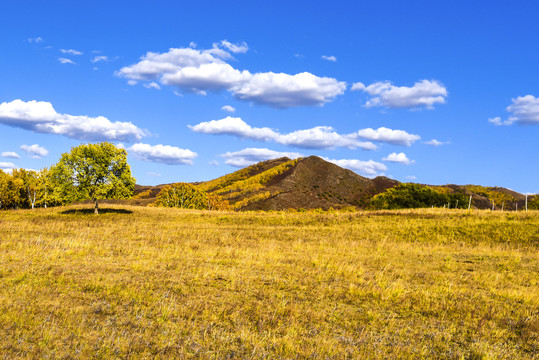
x=247, y=185
x=140, y=282
x=490, y=193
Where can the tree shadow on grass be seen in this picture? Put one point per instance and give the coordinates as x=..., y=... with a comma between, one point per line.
x=91, y=211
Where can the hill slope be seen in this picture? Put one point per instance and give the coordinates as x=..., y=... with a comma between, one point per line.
x=303, y=183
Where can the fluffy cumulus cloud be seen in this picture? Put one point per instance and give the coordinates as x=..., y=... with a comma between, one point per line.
x=234, y=126
x=200, y=71
x=35, y=151
x=323, y=137
x=368, y=168
x=399, y=158
x=251, y=156
x=424, y=94
x=383, y=134
x=320, y=137
x=40, y=116
x=10, y=154
x=524, y=111
x=164, y=154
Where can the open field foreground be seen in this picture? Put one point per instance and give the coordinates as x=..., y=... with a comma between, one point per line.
x=139, y=282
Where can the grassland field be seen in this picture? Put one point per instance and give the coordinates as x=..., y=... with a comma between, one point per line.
x=146, y=283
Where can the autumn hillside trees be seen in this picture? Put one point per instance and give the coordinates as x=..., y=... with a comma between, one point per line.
x=188, y=196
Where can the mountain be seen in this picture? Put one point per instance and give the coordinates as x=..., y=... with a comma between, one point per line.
x=311, y=182
x=307, y=183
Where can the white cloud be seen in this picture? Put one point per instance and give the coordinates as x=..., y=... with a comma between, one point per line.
x=329, y=58
x=40, y=116
x=66, y=61
x=524, y=111
x=10, y=154
x=424, y=93
x=205, y=77
x=36, y=151
x=35, y=40
x=192, y=44
x=286, y=91
x=7, y=165
x=411, y=177
x=498, y=121
x=228, y=108
x=99, y=58
x=399, y=158
x=199, y=71
x=239, y=48
x=214, y=163
x=383, y=134
x=70, y=52
x=164, y=154
x=321, y=137
x=152, y=85
x=435, y=142
x=251, y=156
x=234, y=126
x=368, y=168
x=151, y=173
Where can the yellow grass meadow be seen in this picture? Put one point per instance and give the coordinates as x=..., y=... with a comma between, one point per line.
x=150, y=283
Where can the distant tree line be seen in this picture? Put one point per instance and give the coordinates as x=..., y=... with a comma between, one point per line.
x=410, y=196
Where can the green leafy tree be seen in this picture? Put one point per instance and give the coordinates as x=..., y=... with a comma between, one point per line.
x=92, y=171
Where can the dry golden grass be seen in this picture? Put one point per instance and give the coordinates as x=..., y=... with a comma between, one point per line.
x=167, y=283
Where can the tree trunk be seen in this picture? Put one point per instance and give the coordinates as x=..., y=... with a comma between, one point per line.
x=96, y=210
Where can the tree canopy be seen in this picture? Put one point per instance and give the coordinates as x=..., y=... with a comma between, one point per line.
x=95, y=171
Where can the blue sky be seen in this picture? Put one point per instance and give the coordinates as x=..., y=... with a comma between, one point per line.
x=422, y=91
